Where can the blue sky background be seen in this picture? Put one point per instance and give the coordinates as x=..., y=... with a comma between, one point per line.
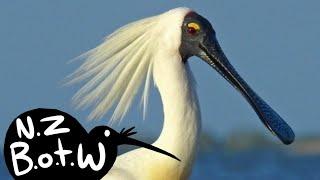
x=273, y=44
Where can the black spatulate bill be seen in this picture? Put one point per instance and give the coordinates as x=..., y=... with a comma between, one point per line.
x=215, y=57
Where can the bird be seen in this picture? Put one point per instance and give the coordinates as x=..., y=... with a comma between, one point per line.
x=65, y=157
x=157, y=49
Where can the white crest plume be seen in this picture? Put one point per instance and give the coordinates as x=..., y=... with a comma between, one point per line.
x=114, y=71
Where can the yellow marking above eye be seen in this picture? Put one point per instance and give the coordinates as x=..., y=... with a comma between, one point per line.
x=194, y=26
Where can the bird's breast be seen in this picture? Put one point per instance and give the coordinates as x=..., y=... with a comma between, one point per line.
x=164, y=172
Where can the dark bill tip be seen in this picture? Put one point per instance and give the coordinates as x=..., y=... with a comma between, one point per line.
x=273, y=121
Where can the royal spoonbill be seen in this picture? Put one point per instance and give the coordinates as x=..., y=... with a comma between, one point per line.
x=158, y=48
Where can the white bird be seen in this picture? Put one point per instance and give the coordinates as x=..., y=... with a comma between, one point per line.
x=158, y=48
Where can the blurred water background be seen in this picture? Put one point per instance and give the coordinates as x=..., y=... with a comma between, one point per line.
x=273, y=44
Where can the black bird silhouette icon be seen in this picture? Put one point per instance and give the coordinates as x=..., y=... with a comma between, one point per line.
x=51, y=144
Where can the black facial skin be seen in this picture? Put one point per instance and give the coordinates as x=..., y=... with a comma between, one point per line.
x=190, y=42
x=203, y=43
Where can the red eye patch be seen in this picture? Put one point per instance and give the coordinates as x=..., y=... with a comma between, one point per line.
x=191, y=30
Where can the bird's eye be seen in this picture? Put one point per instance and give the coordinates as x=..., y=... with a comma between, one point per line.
x=193, y=28
x=107, y=133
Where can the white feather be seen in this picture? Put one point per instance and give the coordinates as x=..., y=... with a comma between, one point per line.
x=115, y=70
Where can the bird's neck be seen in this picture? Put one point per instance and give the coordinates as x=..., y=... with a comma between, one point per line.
x=181, y=125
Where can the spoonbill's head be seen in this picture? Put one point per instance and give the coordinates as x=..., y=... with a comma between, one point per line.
x=199, y=39
x=116, y=69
